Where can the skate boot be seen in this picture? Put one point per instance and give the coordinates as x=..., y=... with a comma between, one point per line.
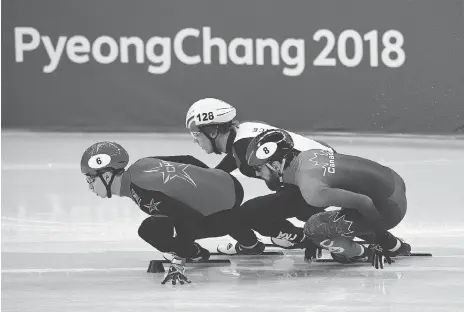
x=237, y=249
x=404, y=250
x=289, y=241
x=365, y=257
x=202, y=255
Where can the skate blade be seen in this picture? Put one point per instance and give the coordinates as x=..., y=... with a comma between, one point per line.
x=266, y=253
x=414, y=254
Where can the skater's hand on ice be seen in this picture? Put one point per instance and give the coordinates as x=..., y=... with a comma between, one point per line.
x=312, y=252
x=379, y=256
x=176, y=272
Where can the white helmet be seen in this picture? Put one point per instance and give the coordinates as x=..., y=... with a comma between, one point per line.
x=209, y=111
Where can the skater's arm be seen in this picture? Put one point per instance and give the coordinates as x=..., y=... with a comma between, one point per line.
x=227, y=164
x=346, y=199
x=319, y=194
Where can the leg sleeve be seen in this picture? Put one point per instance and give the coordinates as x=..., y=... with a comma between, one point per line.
x=225, y=223
x=394, y=208
x=166, y=235
x=335, y=230
x=344, y=222
x=267, y=214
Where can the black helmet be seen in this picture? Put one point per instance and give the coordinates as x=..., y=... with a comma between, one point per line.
x=270, y=145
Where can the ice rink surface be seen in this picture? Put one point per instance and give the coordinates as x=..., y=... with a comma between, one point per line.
x=64, y=249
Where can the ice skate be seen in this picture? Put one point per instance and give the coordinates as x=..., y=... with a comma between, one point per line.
x=203, y=255
x=238, y=249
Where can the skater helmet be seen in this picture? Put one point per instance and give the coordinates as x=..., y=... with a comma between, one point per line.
x=102, y=157
x=270, y=145
x=208, y=111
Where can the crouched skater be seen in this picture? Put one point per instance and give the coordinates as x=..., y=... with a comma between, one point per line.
x=183, y=197
x=372, y=197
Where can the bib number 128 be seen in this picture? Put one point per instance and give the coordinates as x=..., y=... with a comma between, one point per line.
x=391, y=51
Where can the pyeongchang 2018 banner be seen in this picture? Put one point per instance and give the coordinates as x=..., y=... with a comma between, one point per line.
x=358, y=66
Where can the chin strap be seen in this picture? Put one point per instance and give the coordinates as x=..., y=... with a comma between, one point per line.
x=107, y=185
x=213, y=143
x=280, y=173
x=213, y=140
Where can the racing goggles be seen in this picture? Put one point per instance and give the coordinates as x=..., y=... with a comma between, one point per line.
x=195, y=134
x=90, y=178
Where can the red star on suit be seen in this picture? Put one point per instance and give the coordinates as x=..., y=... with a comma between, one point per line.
x=171, y=171
x=152, y=206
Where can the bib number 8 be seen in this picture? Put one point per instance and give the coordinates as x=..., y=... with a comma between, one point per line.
x=266, y=150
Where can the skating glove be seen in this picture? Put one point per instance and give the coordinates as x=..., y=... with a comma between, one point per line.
x=312, y=251
x=379, y=255
x=176, y=272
